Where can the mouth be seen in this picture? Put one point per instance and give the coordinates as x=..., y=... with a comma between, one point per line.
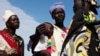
x=16, y=24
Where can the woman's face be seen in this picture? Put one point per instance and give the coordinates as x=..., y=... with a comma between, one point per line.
x=58, y=14
x=13, y=22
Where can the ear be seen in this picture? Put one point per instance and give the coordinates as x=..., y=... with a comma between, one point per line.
x=7, y=24
x=52, y=15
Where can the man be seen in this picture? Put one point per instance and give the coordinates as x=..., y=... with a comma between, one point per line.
x=59, y=33
x=10, y=43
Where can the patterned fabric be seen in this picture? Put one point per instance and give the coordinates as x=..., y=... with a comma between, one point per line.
x=90, y=18
x=79, y=45
x=84, y=42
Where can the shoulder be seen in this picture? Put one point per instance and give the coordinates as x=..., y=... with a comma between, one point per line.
x=19, y=37
x=67, y=29
x=19, y=40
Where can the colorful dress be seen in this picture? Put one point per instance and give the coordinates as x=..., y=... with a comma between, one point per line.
x=83, y=42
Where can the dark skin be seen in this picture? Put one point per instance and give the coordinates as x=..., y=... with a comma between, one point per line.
x=59, y=15
x=12, y=24
x=44, y=28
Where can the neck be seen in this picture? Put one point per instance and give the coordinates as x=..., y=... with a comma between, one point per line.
x=60, y=25
x=10, y=31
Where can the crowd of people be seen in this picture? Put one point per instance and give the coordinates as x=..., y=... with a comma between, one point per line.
x=80, y=39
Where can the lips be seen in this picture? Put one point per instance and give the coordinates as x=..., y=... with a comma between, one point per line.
x=16, y=25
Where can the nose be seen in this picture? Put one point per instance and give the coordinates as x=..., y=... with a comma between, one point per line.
x=17, y=21
x=60, y=14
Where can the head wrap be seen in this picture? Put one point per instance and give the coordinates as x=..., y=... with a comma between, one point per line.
x=56, y=5
x=7, y=14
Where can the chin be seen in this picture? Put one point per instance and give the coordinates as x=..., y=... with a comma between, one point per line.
x=16, y=27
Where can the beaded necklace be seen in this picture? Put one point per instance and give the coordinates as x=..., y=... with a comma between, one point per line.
x=49, y=46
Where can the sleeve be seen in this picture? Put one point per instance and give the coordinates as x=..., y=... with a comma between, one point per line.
x=22, y=48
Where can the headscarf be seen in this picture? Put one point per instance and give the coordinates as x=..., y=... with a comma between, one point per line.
x=56, y=5
x=7, y=15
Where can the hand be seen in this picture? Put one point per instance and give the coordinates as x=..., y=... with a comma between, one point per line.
x=29, y=45
x=45, y=28
x=11, y=51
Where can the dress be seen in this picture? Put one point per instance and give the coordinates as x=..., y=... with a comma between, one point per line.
x=84, y=40
x=58, y=37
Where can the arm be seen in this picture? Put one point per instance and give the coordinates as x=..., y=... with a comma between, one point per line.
x=22, y=48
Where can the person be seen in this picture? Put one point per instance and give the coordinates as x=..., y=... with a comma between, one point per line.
x=38, y=42
x=60, y=31
x=57, y=12
x=84, y=15
x=10, y=43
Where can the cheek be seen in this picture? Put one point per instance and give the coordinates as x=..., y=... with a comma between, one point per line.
x=56, y=15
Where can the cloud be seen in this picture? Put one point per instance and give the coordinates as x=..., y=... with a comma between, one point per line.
x=27, y=23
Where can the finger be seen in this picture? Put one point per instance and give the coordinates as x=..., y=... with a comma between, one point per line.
x=41, y=29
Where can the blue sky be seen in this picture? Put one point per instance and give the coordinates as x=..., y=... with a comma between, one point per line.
x=33, y=12
x=39, y=9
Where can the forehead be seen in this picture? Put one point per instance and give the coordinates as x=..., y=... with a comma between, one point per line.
x=14, y=16
x=59, y=9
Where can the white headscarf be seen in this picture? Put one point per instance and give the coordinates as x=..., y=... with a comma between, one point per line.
x=56, y=5
x=7, y=14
